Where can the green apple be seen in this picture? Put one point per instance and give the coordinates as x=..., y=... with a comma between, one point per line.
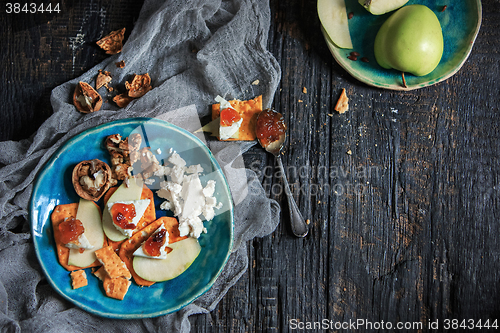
x=183, y=254
x=88, y=213
x=333, y=17
x=379, y=7
x=122, y=193
x=410, y=40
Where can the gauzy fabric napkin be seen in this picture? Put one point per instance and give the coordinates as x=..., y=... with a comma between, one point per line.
x=193, y=51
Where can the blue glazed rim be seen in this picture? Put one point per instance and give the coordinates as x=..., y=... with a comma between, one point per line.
x=40, y=225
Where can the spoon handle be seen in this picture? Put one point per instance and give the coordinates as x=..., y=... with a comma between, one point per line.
x=297, y=222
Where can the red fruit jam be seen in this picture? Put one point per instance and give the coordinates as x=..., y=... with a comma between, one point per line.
x=70, y=230
x=152, y=247
x=122, y=214
x=270, y=127
x=228, y=117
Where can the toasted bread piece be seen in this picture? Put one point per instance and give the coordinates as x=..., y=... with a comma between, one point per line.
x=58, y=215
x=78, y=279
x=248, y=111
x=112, y=263
x=129, y=246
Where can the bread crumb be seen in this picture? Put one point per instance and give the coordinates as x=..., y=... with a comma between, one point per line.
x=343, y=102
x=255, y=83
x=304, y=90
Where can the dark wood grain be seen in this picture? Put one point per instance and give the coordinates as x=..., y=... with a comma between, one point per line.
x=402, y=191
x=41, y=51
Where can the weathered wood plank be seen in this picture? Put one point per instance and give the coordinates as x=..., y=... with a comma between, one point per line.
x=402, y=191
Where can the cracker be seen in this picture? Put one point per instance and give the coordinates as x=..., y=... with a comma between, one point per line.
x=128, y=247
x=58, y=215
x=112, y=263
x=248, y=111
x=116, y=287
x=100, y=273
x=343, y=102
x=78, y=279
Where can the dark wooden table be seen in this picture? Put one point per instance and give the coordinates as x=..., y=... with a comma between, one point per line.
x=412, y=234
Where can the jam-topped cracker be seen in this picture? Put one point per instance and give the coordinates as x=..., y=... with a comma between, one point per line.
x=129, y=246
x=58, y=215
x=148, y=217
x=248, y=111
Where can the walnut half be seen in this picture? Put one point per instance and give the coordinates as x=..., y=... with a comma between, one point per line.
x=86, y=99
x=91, y=179
x=123, y=153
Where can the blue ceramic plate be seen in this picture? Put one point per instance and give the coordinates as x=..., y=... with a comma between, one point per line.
x=460, y=22
x=54, y=187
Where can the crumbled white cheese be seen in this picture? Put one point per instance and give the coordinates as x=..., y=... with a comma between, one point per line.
x=196, y=168
x=162, y=171
x=192, y=226
x=158, y=151
x=210, y=201
x=209, y=189
x=186, y=197
x=177, y=174
x=208, y=212
x=166, y=205
x=192, y=195
x=176, y=159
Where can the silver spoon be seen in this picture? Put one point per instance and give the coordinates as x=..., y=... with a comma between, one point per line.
x=271, y=133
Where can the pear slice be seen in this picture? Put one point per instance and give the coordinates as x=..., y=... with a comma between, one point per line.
x=90, y=216
x=333, y=17
x=379, y=7
x=183, y=254
x=122, y=193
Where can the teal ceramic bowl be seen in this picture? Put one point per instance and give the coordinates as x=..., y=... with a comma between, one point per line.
x=460, y=22
x=53, y=187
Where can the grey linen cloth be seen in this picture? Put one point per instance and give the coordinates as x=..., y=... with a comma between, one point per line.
x=193, y=50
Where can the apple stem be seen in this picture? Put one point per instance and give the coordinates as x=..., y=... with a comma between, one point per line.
x=404, y=80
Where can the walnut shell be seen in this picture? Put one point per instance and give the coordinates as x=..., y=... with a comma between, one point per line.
x=122, y=100
x=91, y=179
x=139, y=86
x=113, y=42
x=103, y=78
x=86, y=99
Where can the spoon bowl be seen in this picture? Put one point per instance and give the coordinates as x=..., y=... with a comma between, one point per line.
x=271, y=133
